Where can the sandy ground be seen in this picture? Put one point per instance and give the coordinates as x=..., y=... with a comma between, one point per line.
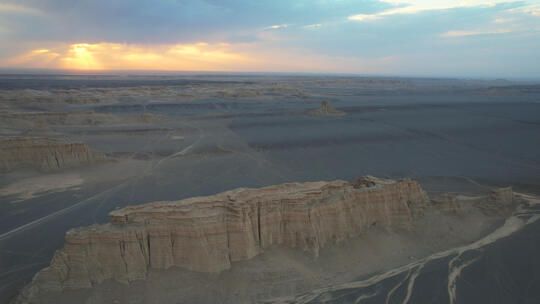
x=36, y=186
x=216, y=138
x=284, y=272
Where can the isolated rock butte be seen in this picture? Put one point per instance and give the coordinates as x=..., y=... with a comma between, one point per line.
x=44, y=154
x=207, y=234
x=326, y=109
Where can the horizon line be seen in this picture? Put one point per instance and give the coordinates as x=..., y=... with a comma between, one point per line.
x=73, y=72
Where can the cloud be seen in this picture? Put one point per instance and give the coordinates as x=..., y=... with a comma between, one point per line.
x=503, y=20
x=174, y=21
x=271, y=35
x=191, y=57
x=313, y=26
x=18, y=9
x=364, y=17
x=277, y=26
x=115, y=56
x=474, y=33
x=39, y=58
x=419, y=6
x=533, y=10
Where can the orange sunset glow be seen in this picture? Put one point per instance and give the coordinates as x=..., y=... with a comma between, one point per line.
x=382, y=37
x=269, y=151
x=183, y=57
x=115, y=56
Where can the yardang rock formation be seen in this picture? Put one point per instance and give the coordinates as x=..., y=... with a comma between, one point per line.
x=207, y=234
x=44, y=154
x=326, y=109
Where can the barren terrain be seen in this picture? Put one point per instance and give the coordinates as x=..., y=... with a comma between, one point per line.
x=93, y=145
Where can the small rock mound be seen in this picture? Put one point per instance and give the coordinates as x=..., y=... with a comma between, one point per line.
x=370, y=181
x=504, y=196
x=447, y=202
x=326, y=109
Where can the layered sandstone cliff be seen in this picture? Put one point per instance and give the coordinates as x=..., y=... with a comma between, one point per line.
x=44, y=154
x=207, y=234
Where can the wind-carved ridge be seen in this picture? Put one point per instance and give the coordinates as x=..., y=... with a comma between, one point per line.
x=208, y=234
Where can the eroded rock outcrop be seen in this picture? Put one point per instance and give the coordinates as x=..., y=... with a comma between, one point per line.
x=207, y=234
x=504, y=196
x=78, y=117
x=44, y=154
x=497, y=201
x=194, y=91
x=447, y=202
x=326, y=109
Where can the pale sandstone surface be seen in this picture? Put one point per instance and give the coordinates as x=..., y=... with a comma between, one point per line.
x=32, y=187
x=262, y=88
x=501, y=195
x=45, y=123
x=245, y=87
x=207, y=234
x=45, y=154
x=378, y=232
x=194, y=91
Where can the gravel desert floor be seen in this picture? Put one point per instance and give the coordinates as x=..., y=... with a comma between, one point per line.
x=161, y=138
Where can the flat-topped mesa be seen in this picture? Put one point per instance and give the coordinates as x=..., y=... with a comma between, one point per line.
x=44, y=154
x=207, y=234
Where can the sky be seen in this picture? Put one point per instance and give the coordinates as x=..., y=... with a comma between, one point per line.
x=475, y=38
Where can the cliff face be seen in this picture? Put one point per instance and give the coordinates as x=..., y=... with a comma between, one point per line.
x=207, y=234
x=44, y=154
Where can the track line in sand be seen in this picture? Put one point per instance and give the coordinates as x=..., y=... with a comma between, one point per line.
x=133, y=180
x=21, y=268
x=453, y=274
x=365, y=297
x=57, y=213
x=391, y=292
x=183, y=151
x=10, y=233
x=412, y=279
